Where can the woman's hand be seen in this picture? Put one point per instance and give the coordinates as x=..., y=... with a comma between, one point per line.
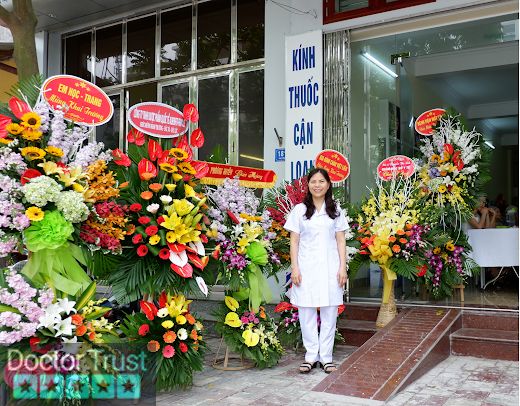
x=342, y=277
x=296, y=276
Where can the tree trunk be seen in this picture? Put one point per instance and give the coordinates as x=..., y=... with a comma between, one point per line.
x=22, y=23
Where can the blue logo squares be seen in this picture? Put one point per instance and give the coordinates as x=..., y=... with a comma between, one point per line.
x=128, y=386
x=25, y=386
x=77, y=386
x=103, y=386
x=51, y=386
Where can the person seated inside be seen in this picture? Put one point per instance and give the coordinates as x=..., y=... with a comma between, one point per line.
x=481, y=215
x=494, y=217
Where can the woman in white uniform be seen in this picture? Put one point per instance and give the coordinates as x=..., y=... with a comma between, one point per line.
x=318, y=269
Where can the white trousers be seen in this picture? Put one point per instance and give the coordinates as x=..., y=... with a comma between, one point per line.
x=318, y=345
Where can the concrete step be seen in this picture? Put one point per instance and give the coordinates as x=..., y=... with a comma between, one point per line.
x=356, y=332
x=485, y=343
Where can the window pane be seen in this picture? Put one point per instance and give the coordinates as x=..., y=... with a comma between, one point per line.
x=214, y=33
x=250, y=27
x=176, y=41
x=140, y=49
x=142, y=93
x=176, y=95
x=109, y=55
x=348, y=5
x=108, y=133
x=77, y=55
x=251, y=119
x=214, y=114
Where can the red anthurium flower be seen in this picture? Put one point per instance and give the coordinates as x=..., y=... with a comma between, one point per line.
x=165, y=158
x=146, y=169
x=422, y=270
x=448, y=148
x=232, y=216
x=177, y=247
x=184, y=145
x=201, y=168
x=456, y=156
x=18, y=107
x=197, y=138
x=341, y=309
x=198, y=261
x=459, y=164
x=149, y=309
x=4, y=121
x=163, y=299
x=164, y=253
x=143, y=330
x=135, y=137
x=120, y=158
x=190, y=113
x=216, y=252
x=154, y=150
x=28, y=175
x=203, y=238
x=186, y=271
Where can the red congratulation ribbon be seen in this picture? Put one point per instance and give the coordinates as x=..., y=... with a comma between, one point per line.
x=248, y=177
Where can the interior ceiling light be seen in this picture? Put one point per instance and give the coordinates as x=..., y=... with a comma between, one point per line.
x=254, y=158
x=379, y=64
x=489, y=144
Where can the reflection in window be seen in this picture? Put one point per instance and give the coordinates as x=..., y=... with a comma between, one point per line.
x=251, y=119
x=140, y=57
x=176, y=41
x=214, y=114
x=214, y=33
x=250, y=29
x=108, y=133
x=142, y=93
x=347, y=5
x=176, y=95
x=78, y=55
x=109, y=55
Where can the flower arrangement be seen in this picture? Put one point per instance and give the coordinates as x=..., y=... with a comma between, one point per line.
x=289, y=330
x=164, y=245
x=172, y=337
x=240, y=230
x=249, y=333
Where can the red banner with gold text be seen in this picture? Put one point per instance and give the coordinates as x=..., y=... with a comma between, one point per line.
x=248, y=177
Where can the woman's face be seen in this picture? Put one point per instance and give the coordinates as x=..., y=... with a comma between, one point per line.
x=318, y=185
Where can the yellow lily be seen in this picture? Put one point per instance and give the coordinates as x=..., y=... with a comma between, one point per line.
x=182, y=207
x=50, y=167
x=171, y=222
x=178, y=305
x=70, y=177
x=189, y=191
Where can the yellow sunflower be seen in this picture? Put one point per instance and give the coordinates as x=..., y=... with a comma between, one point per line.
x=186, y=168
x=32, y=153
x=450, y=246
x=167, y=167
x=6, y=141
x=178, y=153
x=31, y=135
x=34, y=213
x=442, y=189
x=14, y=128
x=31, y=120
x=54, y=151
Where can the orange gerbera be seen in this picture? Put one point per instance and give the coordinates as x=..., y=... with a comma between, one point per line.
x=193, y=334
x=169, y=337
x=123, y=185
x=146, y=195
x=400, y=232
x=155, y=187
x=408, y=226
x=190, y=318
x=396, y=248
x=403, y=240
x=153, y=346
x=392, y=238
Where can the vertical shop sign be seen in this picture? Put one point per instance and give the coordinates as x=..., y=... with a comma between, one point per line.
x=303, y=102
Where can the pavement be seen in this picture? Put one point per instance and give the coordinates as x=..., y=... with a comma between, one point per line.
x=457, y=381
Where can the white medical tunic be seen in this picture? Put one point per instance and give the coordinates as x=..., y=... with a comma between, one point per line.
x=318, y=257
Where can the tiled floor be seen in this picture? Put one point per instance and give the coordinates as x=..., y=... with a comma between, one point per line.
x=464, y=381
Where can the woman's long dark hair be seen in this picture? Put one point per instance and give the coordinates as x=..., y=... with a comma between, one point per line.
x=330, y=205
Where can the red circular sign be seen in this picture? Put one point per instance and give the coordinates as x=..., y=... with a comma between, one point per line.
x=84, y=102
x=395, y=165
x=425, y=122
x=157, y=119
x=334, y=163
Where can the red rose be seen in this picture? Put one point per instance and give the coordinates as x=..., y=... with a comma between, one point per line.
x=164, y=253
x=143, y=220
x=135, y=207
x=183, y=347
x=144, y=330
x=151, y=230
x=136, y=239
x=160, y=220
x=142, y=250
x=28, y=175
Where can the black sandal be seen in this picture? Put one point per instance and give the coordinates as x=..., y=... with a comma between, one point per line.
x=306, y=367
x=329, y=367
